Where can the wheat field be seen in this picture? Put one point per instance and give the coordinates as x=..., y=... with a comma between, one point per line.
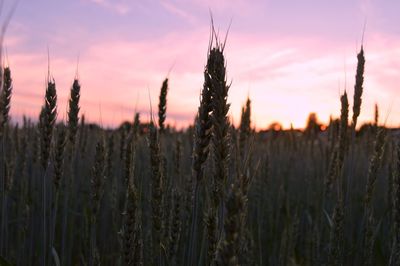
x=145, y=193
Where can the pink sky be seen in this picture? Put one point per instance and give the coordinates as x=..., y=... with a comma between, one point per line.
x=291, y=58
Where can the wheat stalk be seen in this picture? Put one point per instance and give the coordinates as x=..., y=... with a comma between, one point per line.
x=73, y=112
x=358, y=87
x=156, y=191
x=162, y=105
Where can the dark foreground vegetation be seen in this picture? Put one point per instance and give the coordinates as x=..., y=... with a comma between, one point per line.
x=146, y=194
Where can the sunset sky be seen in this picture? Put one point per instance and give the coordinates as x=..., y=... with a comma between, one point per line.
x=290, y=57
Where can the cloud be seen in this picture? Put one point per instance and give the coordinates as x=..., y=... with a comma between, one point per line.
x=287, y=78
x=119, y=7
x=180, y=12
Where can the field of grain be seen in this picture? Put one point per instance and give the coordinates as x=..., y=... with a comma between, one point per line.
x=147, y=194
